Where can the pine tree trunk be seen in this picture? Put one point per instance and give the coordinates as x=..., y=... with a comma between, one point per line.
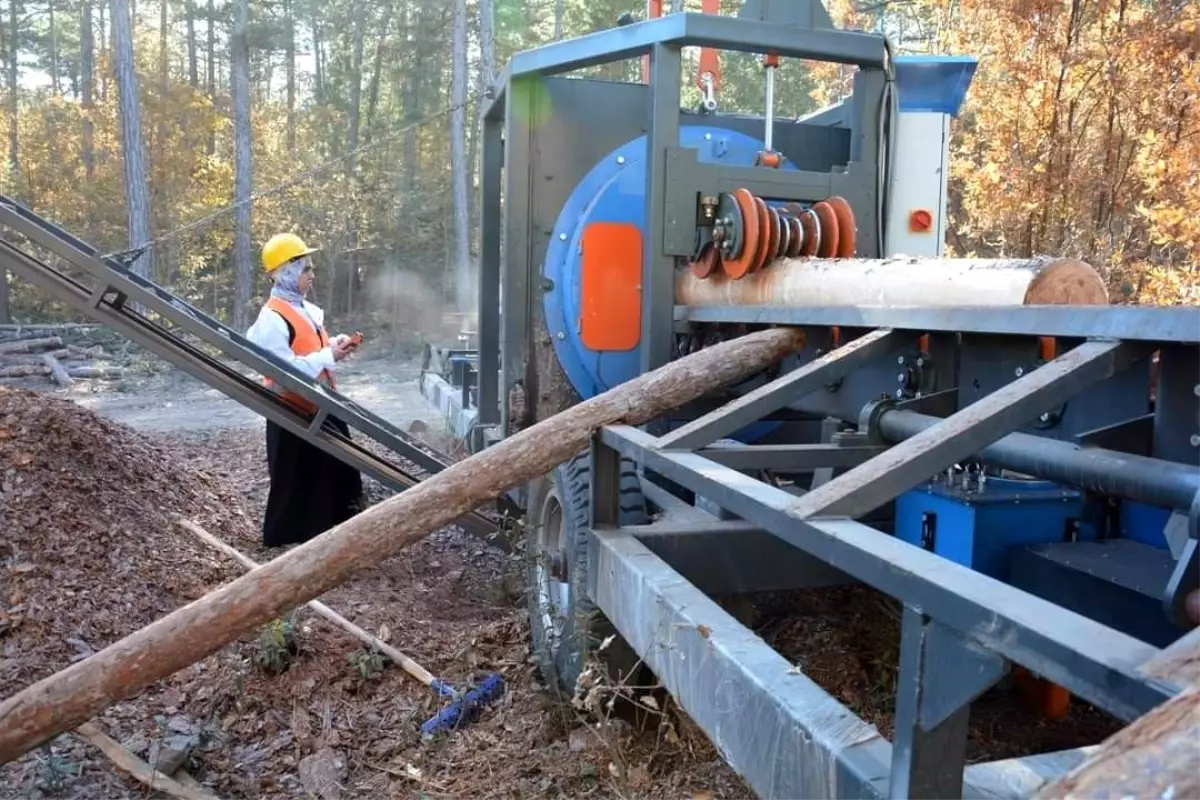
x=290, y=22
x=211, y=77
x=87, y=73
x=54, y=87
x=240, y=81
x=193, y=65
x=463, y=294
x=74, y=695
x=136, y=190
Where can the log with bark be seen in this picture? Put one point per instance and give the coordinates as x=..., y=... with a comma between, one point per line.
x=1156, y=755
x=57, y=373
x=901, y=281
x=31, y=345
x=70, y=697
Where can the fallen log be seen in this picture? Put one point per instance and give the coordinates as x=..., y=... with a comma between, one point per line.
x=138, y=768
x=103, y=373
x=1156, y=755
x=24, y=370
x=70, y=697
x=31, y=345
x=57, y=373
x=900, y=281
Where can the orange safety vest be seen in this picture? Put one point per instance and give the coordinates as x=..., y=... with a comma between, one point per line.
x=304, y=340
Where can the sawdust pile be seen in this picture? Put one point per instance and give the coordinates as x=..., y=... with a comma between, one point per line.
x=89, y=549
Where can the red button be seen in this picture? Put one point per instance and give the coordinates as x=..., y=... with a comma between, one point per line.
x=920, y=221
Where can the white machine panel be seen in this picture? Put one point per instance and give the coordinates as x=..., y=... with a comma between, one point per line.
x=917, y=203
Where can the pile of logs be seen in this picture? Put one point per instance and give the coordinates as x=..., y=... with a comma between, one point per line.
x=62, y=353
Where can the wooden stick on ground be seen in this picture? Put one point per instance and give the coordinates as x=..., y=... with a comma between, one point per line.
x=409, y=666
x=74, y=695
x=138, y=768
x=1156, y=755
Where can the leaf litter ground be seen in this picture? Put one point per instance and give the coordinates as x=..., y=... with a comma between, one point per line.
x=90, y=554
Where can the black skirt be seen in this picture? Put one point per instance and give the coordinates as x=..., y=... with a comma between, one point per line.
x=311, y=491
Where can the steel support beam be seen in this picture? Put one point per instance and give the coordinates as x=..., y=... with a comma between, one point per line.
x=776, y=727
x=757, y=403
x=790, y=457
x=658, y=268
x=733, y=557
x=784, y=734
x=970, y=430
x=699, y=30
x=1128, y=323
x=490, y=261
x=1089, y=659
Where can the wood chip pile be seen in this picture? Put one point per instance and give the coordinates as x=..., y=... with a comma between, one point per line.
x=88, y=552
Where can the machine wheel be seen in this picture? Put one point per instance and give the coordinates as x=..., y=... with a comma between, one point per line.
x=564, y=624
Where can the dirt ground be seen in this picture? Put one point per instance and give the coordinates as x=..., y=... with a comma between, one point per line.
x=92, y=478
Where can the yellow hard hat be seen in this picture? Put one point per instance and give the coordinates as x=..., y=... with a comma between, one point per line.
x=282, y=248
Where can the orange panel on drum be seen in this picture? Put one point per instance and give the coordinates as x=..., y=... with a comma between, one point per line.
x=610, y=280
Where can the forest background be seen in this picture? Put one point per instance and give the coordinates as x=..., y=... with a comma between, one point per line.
x=356, y=124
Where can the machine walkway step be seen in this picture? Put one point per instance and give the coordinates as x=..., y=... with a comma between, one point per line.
x=109, y=292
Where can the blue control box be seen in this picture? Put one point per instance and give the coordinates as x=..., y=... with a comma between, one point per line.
x=978, y=524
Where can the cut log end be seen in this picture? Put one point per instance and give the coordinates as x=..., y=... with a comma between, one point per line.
x=1067, y=282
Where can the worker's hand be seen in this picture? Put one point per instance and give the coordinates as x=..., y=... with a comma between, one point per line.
x=341, y=349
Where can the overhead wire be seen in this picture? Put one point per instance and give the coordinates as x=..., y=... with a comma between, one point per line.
x=132, y=253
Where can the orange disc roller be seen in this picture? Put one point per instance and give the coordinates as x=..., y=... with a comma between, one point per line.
x=707, y=263
x=828, y=246
x=812, y=233
x=847, y=229
x=739, y=263
x=785, y=233
x=764, y=234
x=773, y=235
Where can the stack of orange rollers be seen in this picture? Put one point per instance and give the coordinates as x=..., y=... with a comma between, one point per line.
x=826, y=230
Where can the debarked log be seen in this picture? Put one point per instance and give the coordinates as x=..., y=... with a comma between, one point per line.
x=900, y=281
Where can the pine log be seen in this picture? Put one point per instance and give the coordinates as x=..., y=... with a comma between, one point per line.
x=34, y=358
x=70, y=697
x=900, y=281
x=24, y=370
x=105, y=373
x=57, y=373
x=138, y=768
x=31, y=345
x=1156, y=755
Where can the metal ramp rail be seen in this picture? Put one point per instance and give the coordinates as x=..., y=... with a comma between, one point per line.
x=161, y=322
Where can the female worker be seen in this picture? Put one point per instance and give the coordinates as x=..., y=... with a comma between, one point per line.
x=310, y=491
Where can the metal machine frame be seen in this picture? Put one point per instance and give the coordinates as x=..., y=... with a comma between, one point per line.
x=982, y=383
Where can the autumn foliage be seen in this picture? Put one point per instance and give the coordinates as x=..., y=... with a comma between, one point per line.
x=1080, y=135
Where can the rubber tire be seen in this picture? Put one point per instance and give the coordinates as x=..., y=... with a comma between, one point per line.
x=585, y=627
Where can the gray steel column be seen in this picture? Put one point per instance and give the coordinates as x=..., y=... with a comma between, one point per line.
x=489, y=274
x=516, y=267
x=658, y=280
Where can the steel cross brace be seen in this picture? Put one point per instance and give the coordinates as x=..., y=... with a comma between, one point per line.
x=757, y=403
x=968, y=431
x=1091, y=660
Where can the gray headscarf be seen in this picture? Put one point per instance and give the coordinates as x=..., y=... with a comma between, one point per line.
x=287, y=281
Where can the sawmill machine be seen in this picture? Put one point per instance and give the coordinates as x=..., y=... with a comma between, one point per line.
x=987, y=441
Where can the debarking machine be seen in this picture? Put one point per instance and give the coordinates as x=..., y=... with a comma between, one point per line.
x=988, y=442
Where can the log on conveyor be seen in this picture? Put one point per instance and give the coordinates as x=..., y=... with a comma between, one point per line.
x=70, y=697
x=1156, y=755
x=900, y=281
